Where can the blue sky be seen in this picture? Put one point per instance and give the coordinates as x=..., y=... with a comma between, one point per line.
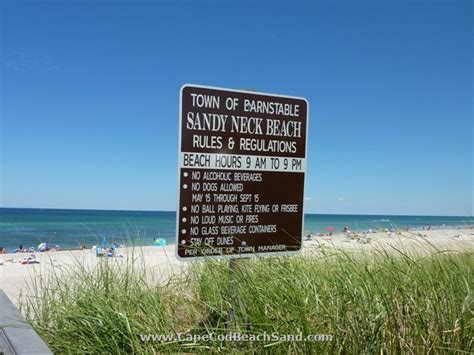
x=90, y=97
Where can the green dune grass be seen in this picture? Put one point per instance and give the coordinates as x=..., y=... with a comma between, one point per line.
x=370, y=303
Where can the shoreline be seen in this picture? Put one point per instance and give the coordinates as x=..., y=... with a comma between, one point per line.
x=390, y=234
x=314, y=234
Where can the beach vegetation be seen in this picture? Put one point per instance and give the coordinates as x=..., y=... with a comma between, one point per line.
x=375, y=302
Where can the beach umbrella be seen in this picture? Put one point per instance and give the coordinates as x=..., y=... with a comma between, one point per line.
x=160, y=242
x=330, y=229
x=42, y=247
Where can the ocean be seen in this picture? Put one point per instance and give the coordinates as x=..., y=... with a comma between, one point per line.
x=71, y=228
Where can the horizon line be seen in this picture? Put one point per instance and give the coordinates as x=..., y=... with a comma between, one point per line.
x=174, y=211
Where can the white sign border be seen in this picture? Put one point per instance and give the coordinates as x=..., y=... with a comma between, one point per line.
x=234, y=256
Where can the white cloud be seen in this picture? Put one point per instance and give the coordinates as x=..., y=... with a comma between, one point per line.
x=340, y=198
x=307, y=198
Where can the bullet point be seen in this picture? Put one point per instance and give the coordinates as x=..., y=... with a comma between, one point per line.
x=185, y=186
x=184, y=219
x=185, y=208
x=183, y=242
x=183, y=231
x=185, y=174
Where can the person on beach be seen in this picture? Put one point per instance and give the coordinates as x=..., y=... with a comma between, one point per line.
x=19, y=249
x=2, y=250
x=346, y=228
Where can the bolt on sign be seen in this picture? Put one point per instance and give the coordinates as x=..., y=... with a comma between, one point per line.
x=242, y=164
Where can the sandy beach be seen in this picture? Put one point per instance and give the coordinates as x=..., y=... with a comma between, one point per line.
x=16, y=279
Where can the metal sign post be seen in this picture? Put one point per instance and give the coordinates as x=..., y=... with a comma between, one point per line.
x=235, y=266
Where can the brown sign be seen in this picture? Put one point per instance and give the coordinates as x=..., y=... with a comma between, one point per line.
x=242, y=164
